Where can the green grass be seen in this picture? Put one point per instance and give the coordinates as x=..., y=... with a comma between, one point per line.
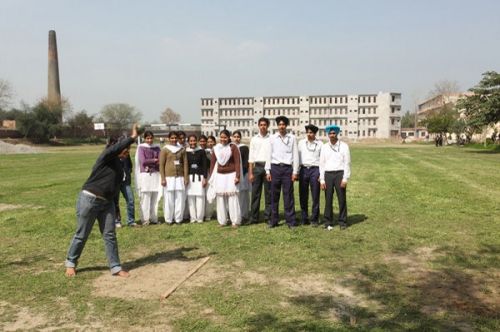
x=422, y=252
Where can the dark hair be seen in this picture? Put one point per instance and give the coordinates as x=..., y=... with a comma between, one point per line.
x=172, y=133
x=180, y=132
x=212, y=137
x=148, y=133
x=237, y=132
x=227, y=133
x=192, y=135
x=201, y=137
x=266, y=120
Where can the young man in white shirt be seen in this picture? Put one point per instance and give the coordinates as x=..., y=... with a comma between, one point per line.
x=335, y=170
x=282, y=169
x=259, y=150
x=309, y=152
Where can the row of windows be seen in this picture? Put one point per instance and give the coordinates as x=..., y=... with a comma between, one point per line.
x=237, y=112
x=281, y=100
x=207, y=102
x=325, y=122
x=236, y=101
x=367, y=110
x=233, y=123
x=280, y=111
x=368, y=99
x=329, y=100
x=328, y=111
x=207, y=113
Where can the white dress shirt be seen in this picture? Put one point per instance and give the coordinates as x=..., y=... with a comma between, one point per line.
x=335, y=157
x=309, y=152
x=259, y=149
x=283, y=150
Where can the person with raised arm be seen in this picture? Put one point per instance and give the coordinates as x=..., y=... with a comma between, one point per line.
x=96, y=202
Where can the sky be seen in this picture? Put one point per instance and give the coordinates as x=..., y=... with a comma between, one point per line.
x=158, y=54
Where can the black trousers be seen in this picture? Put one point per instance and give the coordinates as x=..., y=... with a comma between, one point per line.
x=332, y=181
x=260, y=182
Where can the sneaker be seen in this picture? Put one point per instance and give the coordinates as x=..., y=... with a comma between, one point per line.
x=132, y=224
x=118, y=224
x=329, y=228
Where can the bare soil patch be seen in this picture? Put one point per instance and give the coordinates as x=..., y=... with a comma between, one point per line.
x=147, y=282
x=6, y=148
x=5, y=207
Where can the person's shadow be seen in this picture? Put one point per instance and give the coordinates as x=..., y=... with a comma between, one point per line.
x=356, y=219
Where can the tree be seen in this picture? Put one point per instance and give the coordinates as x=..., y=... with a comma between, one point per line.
x=444, y=87
x=482, y=107
x=5, y=94
x=39, y=123
x=408, y=120
x=441, y=120
x=168, y=116
x=120, y=116
x=81, y=124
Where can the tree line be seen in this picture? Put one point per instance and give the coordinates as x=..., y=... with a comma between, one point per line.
x=42, y=122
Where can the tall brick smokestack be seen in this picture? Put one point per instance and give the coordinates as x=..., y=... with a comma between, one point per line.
x=54, y=89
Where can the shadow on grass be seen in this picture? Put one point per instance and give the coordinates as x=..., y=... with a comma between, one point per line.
x=157, y=258
x=393, y=296
x=356, y=219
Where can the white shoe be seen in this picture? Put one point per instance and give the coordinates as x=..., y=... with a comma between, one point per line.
x=118, y=224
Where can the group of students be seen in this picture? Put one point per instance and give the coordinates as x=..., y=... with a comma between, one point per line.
x=179, y=172
x=203, y=174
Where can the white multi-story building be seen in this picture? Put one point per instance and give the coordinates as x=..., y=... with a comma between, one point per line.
x=359, y=116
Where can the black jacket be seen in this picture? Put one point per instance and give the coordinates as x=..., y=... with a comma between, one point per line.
x=107, y=173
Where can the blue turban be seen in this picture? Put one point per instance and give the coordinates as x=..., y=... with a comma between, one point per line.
x=335, y=128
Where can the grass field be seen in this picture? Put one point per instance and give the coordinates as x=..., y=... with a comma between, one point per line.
x=422, y=253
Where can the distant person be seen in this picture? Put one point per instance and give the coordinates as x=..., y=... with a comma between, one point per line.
x=309, y=152
x=282, y=169
x=210, y=206
x=96, y=201
x=174, y=179
x=258, y=154
x=198, y=174
x=147, y=158
x=225, y=175
x=335, y=171
x=244, y=183
x=127, y=192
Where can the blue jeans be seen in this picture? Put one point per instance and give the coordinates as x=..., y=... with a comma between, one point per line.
x=88, y=209
x=128, y=194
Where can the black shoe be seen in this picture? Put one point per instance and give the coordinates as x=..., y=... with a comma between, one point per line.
x=291, y=225
x=342, y=227
x=271, y=225
x=314, y=224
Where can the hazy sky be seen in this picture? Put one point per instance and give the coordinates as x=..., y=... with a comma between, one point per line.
x=154, y=54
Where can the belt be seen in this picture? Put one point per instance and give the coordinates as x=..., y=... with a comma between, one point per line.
x=308, y=167
x=88, y=193
x=260, y=164
x=282, y=164
x=334, y=171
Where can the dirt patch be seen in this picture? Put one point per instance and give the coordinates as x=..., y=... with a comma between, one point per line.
x=6, y=148
x=147, y=282
x=5, y=207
